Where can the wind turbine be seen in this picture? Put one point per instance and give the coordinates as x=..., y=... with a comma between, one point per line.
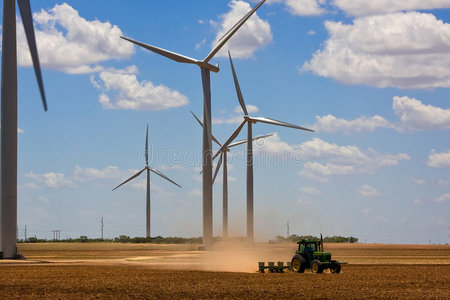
x=148, y=169
x=205, y=68
x=250, y=121
x=223, y=160
x=9, y=117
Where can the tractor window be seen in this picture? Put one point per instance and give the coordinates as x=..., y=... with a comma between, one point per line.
x=314, y=247
x=301, y=248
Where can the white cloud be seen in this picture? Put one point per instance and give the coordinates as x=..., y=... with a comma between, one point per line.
x=371, y=7
x=200, y=44
x=236, y=118
x=331, y=124
x=404, y=50
x=310, y=190
x=70, y=43
x=122, y=90
x=365, y=211
x=417, y=201
x=251, y=109
x=52, y=180
x=253, y=35
x=43, y=199
x=305, y=7
x=418, y=181
x=111, y=172
x=443, y=183
x=273, y=144
x=311, y=32
x=342, y=160
x=367, y=191
x=439, y=160
x=414, y=115
x=443, y=198
x=304, y=201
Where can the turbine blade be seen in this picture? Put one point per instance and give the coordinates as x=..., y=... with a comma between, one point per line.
x=146, y=147
x=245, y=141
x=238, y=88
x=230, y=32
x=201, y=124
x=163, y=176
x=230, y=139
x=27, y=20
x=279, y=123
x=131, y=178
x=219, y=163
x=172, y=55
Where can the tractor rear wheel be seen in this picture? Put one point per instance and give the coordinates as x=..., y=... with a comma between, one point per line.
x=335, y=268
x=316, y=267
x=298, y=264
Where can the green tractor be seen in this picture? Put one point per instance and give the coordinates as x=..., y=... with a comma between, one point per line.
x=310, y=255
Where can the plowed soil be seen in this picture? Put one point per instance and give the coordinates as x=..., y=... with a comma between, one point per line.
x=76, y=271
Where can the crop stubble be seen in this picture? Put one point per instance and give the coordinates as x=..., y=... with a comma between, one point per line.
x=385, y=276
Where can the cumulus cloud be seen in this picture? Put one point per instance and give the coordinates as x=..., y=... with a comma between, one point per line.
x=367, y=191
x=414, y=115
x=370, y=7
x=122, y=90
x=322, y=159
x=253, y=35
x=439, y=160
x=237, y=116
x=331, y=124
x=418, y=181
x=110, y=172
x=331, y=159
x=305, y=7
x=310, y=190
x=52, y=180
x=405, y=50
x=72, y=44
x=443, y=198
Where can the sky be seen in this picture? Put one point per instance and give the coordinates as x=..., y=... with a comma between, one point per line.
x=371, y=77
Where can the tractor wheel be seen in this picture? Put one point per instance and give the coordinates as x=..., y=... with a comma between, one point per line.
x=316, y=267
x=335, y=268
x=298, y=264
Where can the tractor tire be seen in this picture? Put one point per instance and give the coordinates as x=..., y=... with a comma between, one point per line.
x=316, y=267
x=335, y=268
x=298, y=264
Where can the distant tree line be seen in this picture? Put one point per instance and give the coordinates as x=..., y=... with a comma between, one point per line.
x=127, y=239
x=328, y=239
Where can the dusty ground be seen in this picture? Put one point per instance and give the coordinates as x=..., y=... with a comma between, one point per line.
x=74, y=271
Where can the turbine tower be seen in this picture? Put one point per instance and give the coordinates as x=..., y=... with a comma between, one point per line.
x=148, y=169
x=205, y=68
x=223, y=160
x=250, y=121
x=8, y=162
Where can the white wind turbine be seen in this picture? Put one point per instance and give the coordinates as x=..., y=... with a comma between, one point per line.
x=205, y=68
x=148, y=169
x=223, y=160
x=250, y=121
x=8, y=162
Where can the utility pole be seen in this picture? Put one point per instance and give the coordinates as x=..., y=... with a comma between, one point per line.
x=287, y=232
x=25, y=233
x=102, y=227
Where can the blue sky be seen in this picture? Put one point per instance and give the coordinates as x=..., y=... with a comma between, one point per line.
x=371, y=77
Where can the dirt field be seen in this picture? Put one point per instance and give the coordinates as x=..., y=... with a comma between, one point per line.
x=74, y=271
